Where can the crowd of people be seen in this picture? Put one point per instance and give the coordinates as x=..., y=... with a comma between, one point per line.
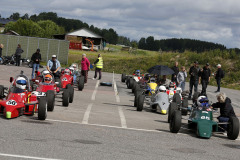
x=197, y=76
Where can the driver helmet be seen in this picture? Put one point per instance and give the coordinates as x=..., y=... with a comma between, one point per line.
x=48, y=78
x=152, y=80
x=45, y=72
x=171, y=86
x=67, y=71
x=74, y=66
x=162, y=89
x=137, y=73
x=202, y=101
x=21, y=83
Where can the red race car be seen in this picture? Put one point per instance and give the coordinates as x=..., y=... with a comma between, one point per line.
x=45, y=85
x=67, y=83
x=21, y=100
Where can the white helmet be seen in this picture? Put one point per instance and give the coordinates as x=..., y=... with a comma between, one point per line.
x=152, y=80
x=162, y=89
x=67, y=71
x=199, y=100
x=71, y=69
x=21, y=83
x=45, y=72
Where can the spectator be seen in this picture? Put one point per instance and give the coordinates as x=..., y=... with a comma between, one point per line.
x=226, y=109
x=18, y=53
x=176, y=71
x=53, y=66
x=36, y=58
x=218, y=76
x=85, y=64
x=194, y=78
x=99, y=66
x=181, y=78
x=1, y=48
x=205, y=74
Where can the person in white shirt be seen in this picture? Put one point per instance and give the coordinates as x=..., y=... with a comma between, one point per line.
x=181, y=78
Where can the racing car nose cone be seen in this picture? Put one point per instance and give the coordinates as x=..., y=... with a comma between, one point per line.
x=164, y=111
x=8, y=114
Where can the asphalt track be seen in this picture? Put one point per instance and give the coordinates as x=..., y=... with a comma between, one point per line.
x=102, y=123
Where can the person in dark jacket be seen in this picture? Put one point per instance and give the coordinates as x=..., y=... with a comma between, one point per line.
x=18, y=53
x=226, y=109
x=176, y=71
x=194, y=78
x=205, y=74
x=1, y=48
x=218, y=76
x=36, y=58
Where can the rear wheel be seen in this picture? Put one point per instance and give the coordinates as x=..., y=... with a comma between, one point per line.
x=134, y=86
x=171, y=109
x=177, y=98
x=81, y=83
x=233, y=128
x=65, y=98
x=127, y=78
x=50, y=100
x=131, y=81
x=136, y=98
x=140, y=102
x=71, y=92
x=1, y=91
x=42, y=108
x=123, y=78
x=184, y=106
x=175, y=122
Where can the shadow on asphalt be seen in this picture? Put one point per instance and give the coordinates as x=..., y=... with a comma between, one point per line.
x=113, y=104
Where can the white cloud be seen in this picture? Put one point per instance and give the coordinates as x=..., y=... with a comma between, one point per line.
x=217, y=21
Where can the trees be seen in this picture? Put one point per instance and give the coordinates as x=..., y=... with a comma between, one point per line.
x=26, y=27
x=15, y=16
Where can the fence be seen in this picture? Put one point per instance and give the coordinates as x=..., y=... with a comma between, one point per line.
x=48, y=47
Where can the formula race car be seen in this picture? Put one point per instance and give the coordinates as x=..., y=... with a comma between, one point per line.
x=201, y=120
x=21, y=100
x=129, y=79
x=78, y=79
x=44, y=85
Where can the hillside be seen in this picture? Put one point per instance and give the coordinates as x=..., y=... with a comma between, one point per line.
x=126, y=62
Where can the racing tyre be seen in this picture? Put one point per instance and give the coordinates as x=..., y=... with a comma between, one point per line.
x=30, y=64
x=233, y=128
x=65, y=98
x=128, y=83
x=71, y=93
x=137, y=89
x=1, y=91
x=127, y=78
x=134, y=86
x=50, y=100
x=136, y=99
x=140, y=102
x=42, y=108
x=171, y=109
x=81, y=83
x=131, y=81
x=175, y=122
x=195, y=97
x=177, y=98
x=123, y=78
x=184, y=107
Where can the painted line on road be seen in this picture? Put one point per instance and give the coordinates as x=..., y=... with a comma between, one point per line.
x=235, y=104
x=95, y=91
x=25, y=157
x=122, y=117
x=108, y=126
x=115, y=89
x=87, y=113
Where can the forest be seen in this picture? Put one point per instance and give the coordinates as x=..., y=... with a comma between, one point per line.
x=46, y=24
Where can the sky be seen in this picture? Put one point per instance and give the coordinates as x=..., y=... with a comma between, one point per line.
x=215, y=21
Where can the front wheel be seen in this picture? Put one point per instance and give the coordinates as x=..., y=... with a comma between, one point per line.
x=175, y=122
x=81, y=83
x=140, y=102
x=42, y=108
x=50, y=100
x=171, y=109
x=233, y=128
x=65, y=98
x=71, y=93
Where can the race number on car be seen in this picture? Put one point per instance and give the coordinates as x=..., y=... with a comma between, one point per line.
x=11, y=103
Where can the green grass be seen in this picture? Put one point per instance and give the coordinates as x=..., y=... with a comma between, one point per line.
x=127, y=62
